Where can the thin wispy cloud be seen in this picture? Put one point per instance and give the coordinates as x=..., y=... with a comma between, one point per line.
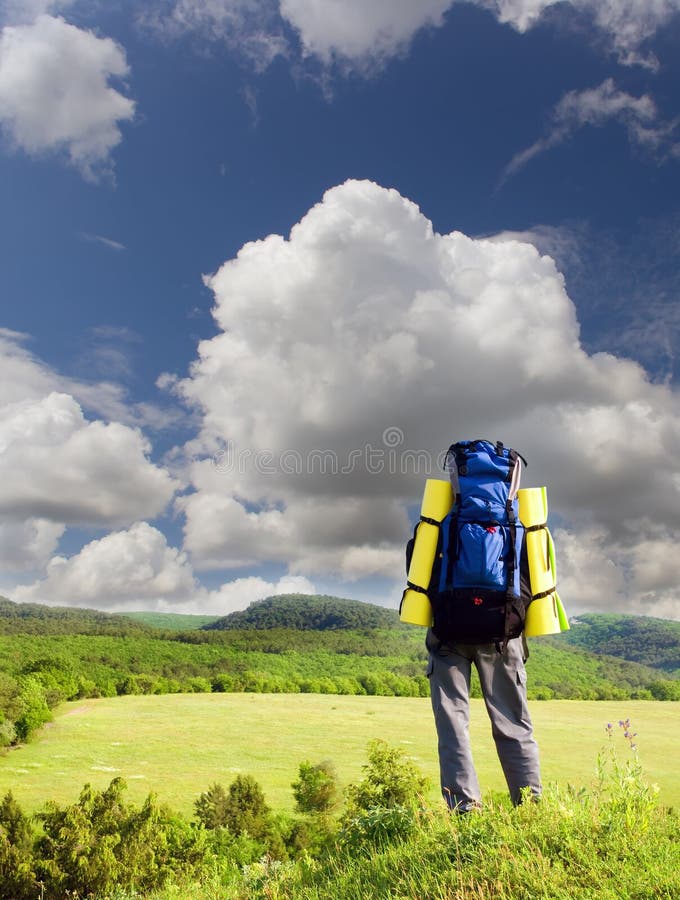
x=104, y=241
x=250, y=99
x=625, y=25
x=253, y=28
x=116, y=332
x=596, y=107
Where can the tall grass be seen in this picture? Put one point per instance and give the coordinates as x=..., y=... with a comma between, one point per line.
x=612, y=842
x=565, y=847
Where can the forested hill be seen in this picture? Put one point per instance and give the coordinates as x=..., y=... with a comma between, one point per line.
x=33, y=618
x=652, y=642
x=304, y=612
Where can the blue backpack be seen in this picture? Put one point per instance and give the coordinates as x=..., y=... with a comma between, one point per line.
x=480, y=588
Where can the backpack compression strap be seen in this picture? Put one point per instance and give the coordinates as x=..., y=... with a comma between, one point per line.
x=410, y=584
x=510, y=596
x=549, y=591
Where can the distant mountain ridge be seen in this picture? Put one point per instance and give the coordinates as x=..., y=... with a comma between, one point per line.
x=642, y=639
x=36, y=618
x=307, y=612
x=649, y=641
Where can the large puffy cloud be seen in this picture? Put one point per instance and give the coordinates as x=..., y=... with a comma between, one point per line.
x=55, y=464
x=367, y=33
x=23, y=376
x=599, y=573
x=137, y=569
x=27, y=545
x=58, y=467
x=56, y=95
x=240, y=593
x=244, y=521
x=134, y=566
x=352, y=353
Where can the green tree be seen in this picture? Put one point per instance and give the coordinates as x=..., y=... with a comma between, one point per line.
x=665, y=690
x=316, y=789
x=211, y=807
x=246, y=808
x=33, y=708
x=16, y=824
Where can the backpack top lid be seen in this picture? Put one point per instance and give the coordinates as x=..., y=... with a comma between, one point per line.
x=485, y=476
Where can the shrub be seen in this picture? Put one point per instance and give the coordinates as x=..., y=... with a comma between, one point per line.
x=17, y=878
x=665, y=690
x=8, y=733
x=211, y=807
x=390, y=780
x=246, y=808
x=198, y=685
x=229, y=849
x=316, y=789
x=243, y=812
x=101, y=843
x=226, y=682
x=384, y=806
x=128, y=685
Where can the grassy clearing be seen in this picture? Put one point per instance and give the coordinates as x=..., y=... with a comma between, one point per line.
x=177, y=745
x=171, y=621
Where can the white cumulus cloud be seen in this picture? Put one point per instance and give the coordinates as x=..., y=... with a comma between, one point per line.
x=27, y=545
x=353, y=351
x=134, y=566
x=136, y=569
x=56, y=94
x=240, y=593
x=57, y=465
x=367, y=33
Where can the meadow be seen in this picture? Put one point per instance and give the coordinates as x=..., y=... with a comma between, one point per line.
x=178, y=745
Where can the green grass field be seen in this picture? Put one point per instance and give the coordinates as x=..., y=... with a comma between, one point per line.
x=171, y=621
x=177, y=745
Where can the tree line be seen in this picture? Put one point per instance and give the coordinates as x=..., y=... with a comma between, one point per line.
x=48, y=656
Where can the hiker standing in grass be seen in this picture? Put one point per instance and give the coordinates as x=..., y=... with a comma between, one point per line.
x=479, y=592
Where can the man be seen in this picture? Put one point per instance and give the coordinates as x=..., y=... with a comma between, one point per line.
x=480, y=586
x=503, y=680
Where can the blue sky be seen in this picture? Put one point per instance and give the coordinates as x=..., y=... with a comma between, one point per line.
x=246, y=244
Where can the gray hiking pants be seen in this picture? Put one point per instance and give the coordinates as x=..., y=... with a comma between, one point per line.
x=503, y=682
